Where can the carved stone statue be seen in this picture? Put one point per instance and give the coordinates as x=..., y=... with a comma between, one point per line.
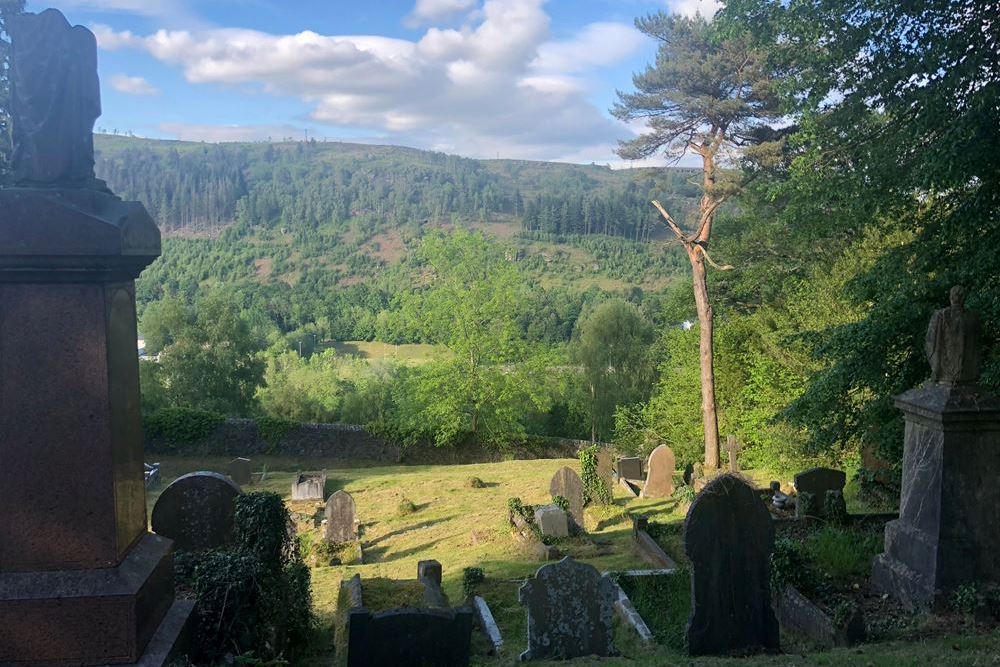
x=55, y=101
x=954, y=347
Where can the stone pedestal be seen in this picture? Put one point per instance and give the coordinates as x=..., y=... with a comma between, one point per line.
x=947, y=533
x=81, y=581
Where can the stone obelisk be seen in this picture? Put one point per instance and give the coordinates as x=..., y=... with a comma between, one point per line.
x=82, y=582
x=946, y=534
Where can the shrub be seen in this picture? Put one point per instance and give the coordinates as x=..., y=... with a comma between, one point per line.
x=594, y=487
x=788, y=565
x=471, y=578
x=842, y=554
x=405, y=507
x=561, y=503
x=664, y=602
x=475, y=483
x=179, y=426
x=273, y=430
x=966, y=599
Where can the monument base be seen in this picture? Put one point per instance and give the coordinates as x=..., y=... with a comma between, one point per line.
x=117, y=616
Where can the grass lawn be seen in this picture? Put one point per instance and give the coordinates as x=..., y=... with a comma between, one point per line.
x=412, y=354
x=464, y=527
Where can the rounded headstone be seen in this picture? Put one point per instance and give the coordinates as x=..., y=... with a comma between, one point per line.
x=567, y=483
x=196, y=511
x=341, y=518
x=660, y=475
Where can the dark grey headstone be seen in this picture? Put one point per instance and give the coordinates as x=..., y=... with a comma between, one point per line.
x=196, y=511
x=570, y=610
x=341, y=518
x=630, y=469
x=817, y=481
x=729, y=537
x=567, y=483
x=241, y=471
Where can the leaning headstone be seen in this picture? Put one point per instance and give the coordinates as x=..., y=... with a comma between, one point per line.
x=816, y=482
x=567, y=483
x=946, y=534
x=241, y=472
x=552, y=521
x=606, y=467
x=630, y=469
x=196, y=511
x=729, y=537
x=570, y=611
x=341, y=518
x=309, y=486
x=660, y=475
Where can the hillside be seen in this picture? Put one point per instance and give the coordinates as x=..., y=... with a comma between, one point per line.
x=324, y=230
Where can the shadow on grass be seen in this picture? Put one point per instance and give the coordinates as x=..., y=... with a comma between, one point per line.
x=407, y=529
x=378, y=555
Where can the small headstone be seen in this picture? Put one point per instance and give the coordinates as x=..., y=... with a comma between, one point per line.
x=729, y=537
x=196, y=511
x=241, y=472
x=817, y=481
x=606, y=467
x=570, y=612
x=733, y=448
x=341, y=519
x=630, y=469
x=567, y=483
x=660, y=478
x=689, y=474
x=430, y=570
x=552, y=521
x=309, y=486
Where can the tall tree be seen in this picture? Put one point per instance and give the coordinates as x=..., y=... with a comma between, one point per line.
x=8, y=8
x=613, y=348
x=711, y=94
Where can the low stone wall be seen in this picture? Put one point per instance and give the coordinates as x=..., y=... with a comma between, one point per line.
x=346, y=442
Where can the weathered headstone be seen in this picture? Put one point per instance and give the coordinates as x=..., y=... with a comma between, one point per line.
x=570, y=611
x=567, y=483
x=341, y=518
x=82, y=581
x=630, y=469
x=733, y=449
x=729, y=537
x=309, y=486
x=552, y=521
x=816, y=482
x=196, y=511
x=606, y=467
x=946, y=534
x=660, y=475
x=241, y=471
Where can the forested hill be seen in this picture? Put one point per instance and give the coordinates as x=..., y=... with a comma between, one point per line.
x=313, y=232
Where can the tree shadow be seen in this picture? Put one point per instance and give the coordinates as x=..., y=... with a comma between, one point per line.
x=378, y=554
x=407, y=529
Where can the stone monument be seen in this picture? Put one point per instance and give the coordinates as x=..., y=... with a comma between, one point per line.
x=729, y=537
x=241, y=471
x=341, y=518
x=570, y=611
x=197, y=511
x=567, y=483
x=81, y=580
x=812, y=486
x=660, y=474
x=946, y=534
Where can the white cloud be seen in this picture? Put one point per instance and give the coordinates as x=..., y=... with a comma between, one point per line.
x=495, y=85
x=133, y=85
x=152, y=8
x=224, y=133
x=706, y=8
x=427, y=11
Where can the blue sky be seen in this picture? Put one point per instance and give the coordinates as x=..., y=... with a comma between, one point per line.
x=529, y=79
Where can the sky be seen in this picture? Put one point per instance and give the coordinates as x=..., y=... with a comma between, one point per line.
x=515, y=79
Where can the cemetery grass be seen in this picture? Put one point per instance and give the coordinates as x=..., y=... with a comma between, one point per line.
x=466, y=527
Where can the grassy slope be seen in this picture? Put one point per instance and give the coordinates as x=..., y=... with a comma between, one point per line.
x=463, y=527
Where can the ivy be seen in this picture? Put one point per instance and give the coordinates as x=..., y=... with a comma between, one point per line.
x=180, y=426
x=594, y=487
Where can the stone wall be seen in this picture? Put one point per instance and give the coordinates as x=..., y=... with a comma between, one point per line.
x=241, y=437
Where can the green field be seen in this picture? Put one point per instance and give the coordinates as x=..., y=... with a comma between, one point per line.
x=410, y=354
x=463, y=527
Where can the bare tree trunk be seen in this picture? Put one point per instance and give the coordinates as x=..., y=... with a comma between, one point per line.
x=706, y=327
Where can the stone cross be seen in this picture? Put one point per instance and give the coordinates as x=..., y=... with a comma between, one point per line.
x=733, y=447
x=570, y=612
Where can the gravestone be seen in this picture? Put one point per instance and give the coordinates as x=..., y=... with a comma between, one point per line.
x=309, y=486
x=729, y=537
x=630, y=469
x=341, y=518
x=82, y=581
x=241, y=472
x=816, y=482
x=660, y=475
x=733, y=449
x=570, y=610
x=946, y=534
x=552, y=521
x=606, y=467
x=196, y=511
x=567, y=483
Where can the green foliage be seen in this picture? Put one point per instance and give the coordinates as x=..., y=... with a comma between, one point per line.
x=788, y=565
x=517, y=508
x=406, y=507
x=595, y=490
x=8, y=8
x=181, y=425
x=561, y=502
x=664, y=602
x=472, y=577
x=475, y=483
x=254, y=599
x=842, y=554
x=273, y=430
x=965, y=599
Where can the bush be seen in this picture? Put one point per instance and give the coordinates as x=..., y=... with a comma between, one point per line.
x=254, y=598
x=842, y=554
x=475, y=483
x=664, y=602
x=788, y=565
x=273, y=430
x=180, y=426
x=471, y=578
x=594, y=488
x=561, y=503
x=406, y=507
